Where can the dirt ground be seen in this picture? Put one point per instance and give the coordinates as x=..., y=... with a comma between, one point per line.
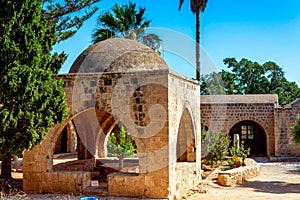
x=278, y=180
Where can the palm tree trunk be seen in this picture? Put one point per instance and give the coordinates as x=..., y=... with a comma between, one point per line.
x=6, y=167
x=198, y=45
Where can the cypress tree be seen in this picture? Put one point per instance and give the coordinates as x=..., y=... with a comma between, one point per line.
x=31, y=100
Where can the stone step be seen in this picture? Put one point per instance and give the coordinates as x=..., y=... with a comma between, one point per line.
x=96, y=191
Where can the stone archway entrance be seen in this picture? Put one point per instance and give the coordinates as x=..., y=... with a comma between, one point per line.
x=185, y=148
x=252, y=135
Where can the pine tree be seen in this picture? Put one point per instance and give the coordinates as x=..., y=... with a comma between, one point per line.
x=31, y=100
x=68, y=15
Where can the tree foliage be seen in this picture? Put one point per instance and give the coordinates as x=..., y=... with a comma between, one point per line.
x=121, y=144
x=68, y=15
x=31, y=100
x=214, y=146
x=126, y=21
x=248, y=77
x=296, y=131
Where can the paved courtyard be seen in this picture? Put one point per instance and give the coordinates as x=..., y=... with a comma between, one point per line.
x=278, y=180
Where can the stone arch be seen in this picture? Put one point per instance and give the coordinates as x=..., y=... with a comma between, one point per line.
x=252, y=134
x=83, y=121
x=67, y=140
x=186, y=140
x=265, y=124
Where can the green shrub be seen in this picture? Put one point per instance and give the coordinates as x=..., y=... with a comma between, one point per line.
x=296, y=131
x=123, y=145
x=239, y=152
x=216, y=144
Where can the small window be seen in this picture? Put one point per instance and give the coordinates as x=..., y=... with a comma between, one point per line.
x=247, y=132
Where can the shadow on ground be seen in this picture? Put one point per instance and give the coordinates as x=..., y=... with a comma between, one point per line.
x=294, y=171
x=275, y=187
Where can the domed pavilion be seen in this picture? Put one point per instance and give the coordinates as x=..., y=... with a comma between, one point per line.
x=115, y=84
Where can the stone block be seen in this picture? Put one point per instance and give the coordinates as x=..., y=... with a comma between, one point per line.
x=54, y=177
x=26, y=176
x=62, y=177
x=36, y=177
x=30, y=186
x=224, y=180
x=47, y=187
x=47, y=177
x=28, y=166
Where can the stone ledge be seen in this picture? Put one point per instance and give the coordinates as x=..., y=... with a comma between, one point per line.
x=237, y=176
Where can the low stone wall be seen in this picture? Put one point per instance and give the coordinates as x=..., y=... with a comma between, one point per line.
x=72, y=183
x=128, y=184
x=142, y=185
x=239, y=175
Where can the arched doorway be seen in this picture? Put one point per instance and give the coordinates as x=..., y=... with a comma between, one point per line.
x=185, y=148
x=252, y=135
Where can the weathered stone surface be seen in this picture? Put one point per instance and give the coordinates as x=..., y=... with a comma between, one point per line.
x=238, y=175
x=222, y=112
x=159, y=108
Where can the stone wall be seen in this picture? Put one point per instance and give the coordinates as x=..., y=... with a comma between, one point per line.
x=184, y=110
x=285, y=118
x=220, y=112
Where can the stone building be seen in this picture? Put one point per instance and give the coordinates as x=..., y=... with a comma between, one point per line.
x=120, y=82
x=262, y=124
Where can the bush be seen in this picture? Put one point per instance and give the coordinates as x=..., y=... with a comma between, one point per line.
x=216, y=144
x=296, y=131
x=124, y=145
x=237, y=152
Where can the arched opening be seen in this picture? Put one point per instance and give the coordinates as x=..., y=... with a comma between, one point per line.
x=120, y=152
x=252, y=135
x=185, y=147
x=120, y=142
x=66, y=142
x=92, y=128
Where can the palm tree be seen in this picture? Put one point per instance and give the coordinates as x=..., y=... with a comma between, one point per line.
x=126, y=22
x=197, y=6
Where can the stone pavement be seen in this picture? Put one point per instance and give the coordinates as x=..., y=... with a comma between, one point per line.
x=280, y=180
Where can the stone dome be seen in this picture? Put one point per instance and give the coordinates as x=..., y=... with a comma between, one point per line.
x=117, y=55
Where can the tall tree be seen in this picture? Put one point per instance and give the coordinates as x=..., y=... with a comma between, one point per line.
x=197, y=6
x=31, y=100
x=248, y=77
x=68, y=15
x=123, y=20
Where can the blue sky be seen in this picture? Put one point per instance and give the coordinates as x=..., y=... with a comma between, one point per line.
x=260, y=30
